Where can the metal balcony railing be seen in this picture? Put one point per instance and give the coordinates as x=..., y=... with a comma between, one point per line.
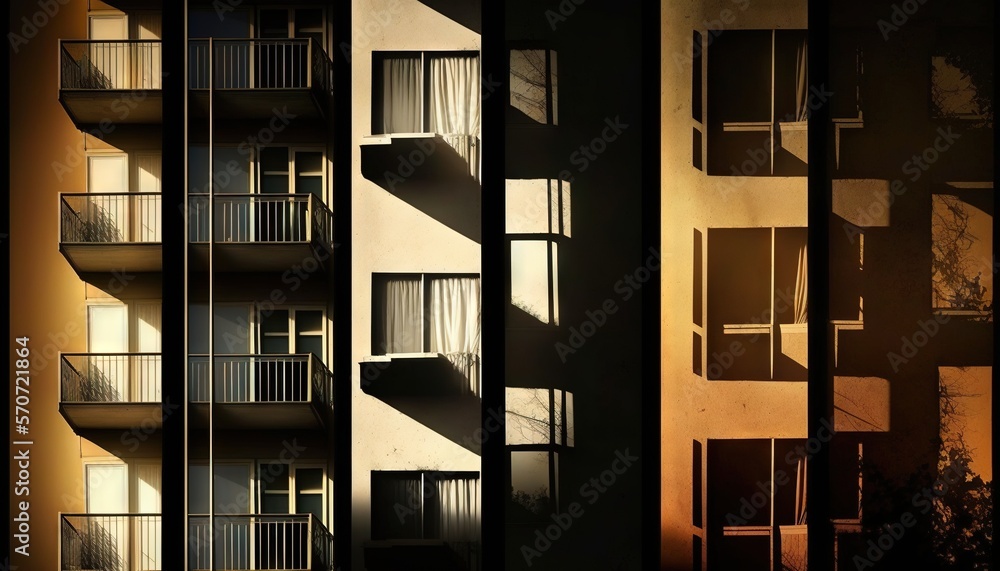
x=109, y=218
x=262, y=218
x=110, y=542
x=110, y=378
x=262, y=379
x=260, y=64
x=109, y=65
x=261, y=541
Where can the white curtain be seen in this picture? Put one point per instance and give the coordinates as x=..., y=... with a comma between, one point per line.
x=401, y=95
x=800, y=492
x=802, y=286
x=455, y=326
x=148, y=549
x=454, y=105
x=459, y=509
x=397, y=323
x=801, y=81
x=146, y=385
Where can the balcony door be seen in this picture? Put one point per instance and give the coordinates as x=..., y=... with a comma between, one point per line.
x=109, y=55
x=288, y=489
x=146, y=71
x=106, y=532
x=146, y=385
x=284, y=171
x=285, y=65
x=288, y=332
x=107, y=216
x=107, y=340
x=147, y=530
x=149, y=169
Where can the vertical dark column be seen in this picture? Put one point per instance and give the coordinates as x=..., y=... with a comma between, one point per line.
x=996, y=251
x=494, y=69
x=174, y=285
x=820, y=392
x=5, y=359
x=342, y=366
x=651, y=216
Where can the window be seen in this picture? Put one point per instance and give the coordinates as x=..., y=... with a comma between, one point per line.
x=292, y=489
x=419, y=313
x=282, y=179
x=261, y=355
x=962, y=75
x=534, y=484
x=756, y=504
x=758, y=103
x=539, y=416
x=429, y=92
x=539, y=422
x=537, y=220
x=757, y=304
x=962, y=248
x=534, y=87
x=425, y=505
x=122, y=363
x=111, y=537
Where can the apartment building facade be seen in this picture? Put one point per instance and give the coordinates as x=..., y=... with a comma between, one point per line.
x=256, y=416
x=908, y=319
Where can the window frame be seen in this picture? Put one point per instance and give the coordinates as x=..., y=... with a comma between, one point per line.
x=550, y=72
x=424, y=309
x=377, y=89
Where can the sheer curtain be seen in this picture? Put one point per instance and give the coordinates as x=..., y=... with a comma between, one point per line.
x=148, y=530
x=454, y=105
x=401, y=95
x=397, y=324
x=459, y=518
x=455, y=326
x=802, y=286
x=801, y=81
x=396, y=501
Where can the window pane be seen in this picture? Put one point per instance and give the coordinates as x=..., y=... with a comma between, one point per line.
x=527, y=206
x=962, y=246
x=396, y=506
x=529, y=480
x=397, y=325
x=529, y=417
x=529, y=281
x=398, y=89
x=274, y=321
x=528, y=86
x=235, y=165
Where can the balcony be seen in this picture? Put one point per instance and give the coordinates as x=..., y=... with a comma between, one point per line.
x=106, y=232
x=253, y=77
x=110, y=391
x=261, y=541
x=115, y=81
x=262, y=232
x=265, y=392
x=119, y=542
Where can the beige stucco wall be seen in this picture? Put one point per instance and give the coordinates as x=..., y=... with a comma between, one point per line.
x=693, y=408
x=392, y=236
